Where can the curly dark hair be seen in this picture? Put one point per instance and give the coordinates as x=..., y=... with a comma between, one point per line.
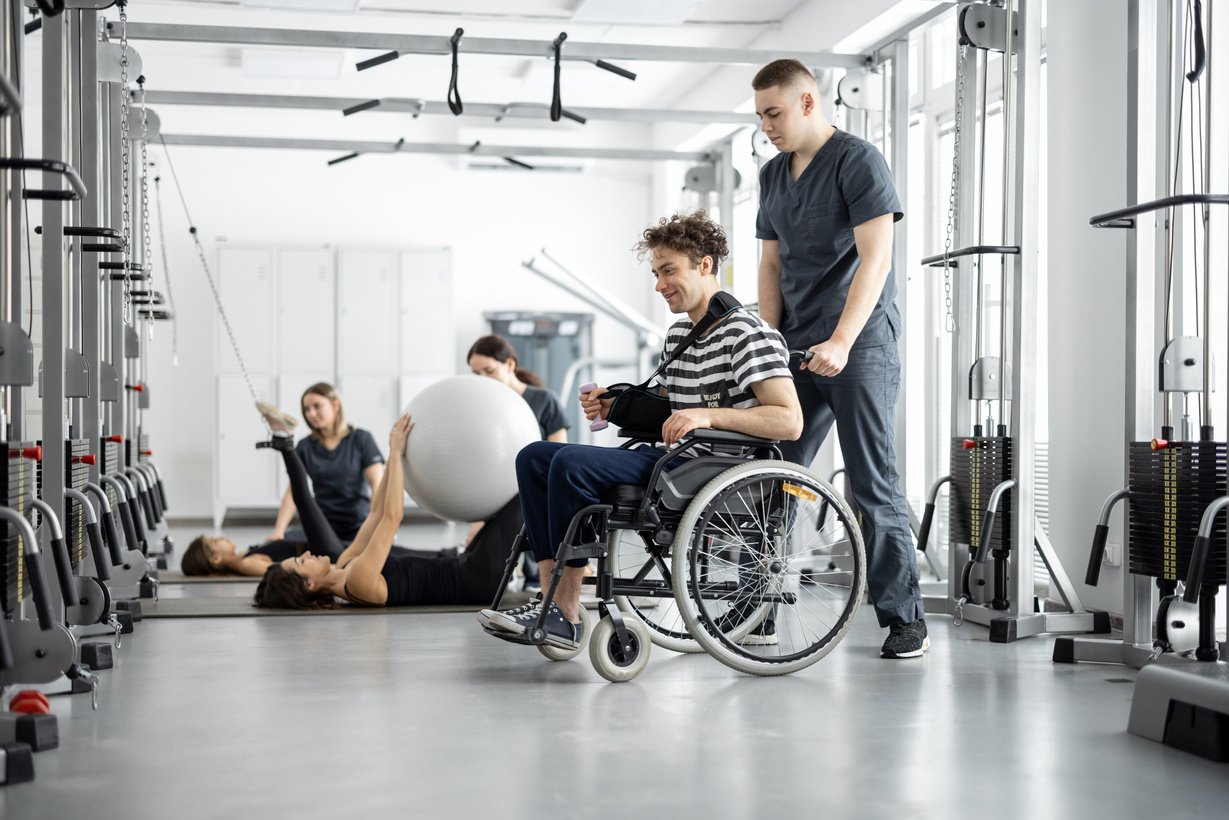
x=282, y=589
x=693, y=234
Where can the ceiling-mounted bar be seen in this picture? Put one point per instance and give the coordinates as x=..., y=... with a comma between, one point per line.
x=499, y=151
x=420, y=44
x=415, y=107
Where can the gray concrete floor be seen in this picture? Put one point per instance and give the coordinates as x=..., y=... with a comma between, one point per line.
x=426, y=716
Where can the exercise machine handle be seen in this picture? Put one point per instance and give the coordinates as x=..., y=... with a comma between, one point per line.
x=125, y=510
x=50, y=166
x=928, y=517
x=1121, y=218
x=1203, y=545
x=59, y=551
x=987, y=522
x=101, y=565
x=34, y=567
x=108, y=523
x=1100, y=535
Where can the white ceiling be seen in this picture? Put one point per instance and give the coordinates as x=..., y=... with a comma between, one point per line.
x=213, y=67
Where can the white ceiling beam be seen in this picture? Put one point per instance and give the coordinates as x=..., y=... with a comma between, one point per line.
x=442, y=148
x=420, y=44
x=407, y=105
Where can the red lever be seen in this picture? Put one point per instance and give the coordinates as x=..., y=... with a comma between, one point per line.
x=88, y=458
x=136, y=388
x=33, y=453
x=116, y=439
x=970, y=444
x=147, y=452
x=1162, y=444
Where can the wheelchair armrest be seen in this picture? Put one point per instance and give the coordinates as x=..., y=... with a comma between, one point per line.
x=646, y=436
x=731, y=437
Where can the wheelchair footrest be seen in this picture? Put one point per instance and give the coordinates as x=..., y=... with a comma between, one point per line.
x=522, y=638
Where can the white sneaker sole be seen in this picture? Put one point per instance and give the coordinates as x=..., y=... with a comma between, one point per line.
x=501, y=621
x=915, y=654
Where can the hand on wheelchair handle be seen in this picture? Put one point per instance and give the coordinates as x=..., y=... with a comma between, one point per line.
x=804, y=356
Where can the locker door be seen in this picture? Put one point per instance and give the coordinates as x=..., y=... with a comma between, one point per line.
x=428, y=332
x=245, y=287
x=370, y=403
x=367, y=320
x=306, y=299
x=244, y=474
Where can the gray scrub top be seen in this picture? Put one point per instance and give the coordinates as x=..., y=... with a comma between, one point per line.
x=846, y=184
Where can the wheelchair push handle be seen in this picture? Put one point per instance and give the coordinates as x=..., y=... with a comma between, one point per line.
x=598, y=423
x=804, y=356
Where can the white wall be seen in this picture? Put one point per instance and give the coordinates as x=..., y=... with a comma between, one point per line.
x=1087, y=45
x=492, y=220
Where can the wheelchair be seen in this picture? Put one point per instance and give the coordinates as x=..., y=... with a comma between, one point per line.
x=756, y=561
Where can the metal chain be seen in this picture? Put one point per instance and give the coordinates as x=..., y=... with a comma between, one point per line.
x=166, y=273
x=953, y=197
x=125, y=148
x=146, y=247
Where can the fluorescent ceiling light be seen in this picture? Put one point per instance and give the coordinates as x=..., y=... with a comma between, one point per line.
x=291, y=64
x=634, y=12
x=303, y=5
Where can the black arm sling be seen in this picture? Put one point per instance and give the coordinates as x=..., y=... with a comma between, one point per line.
x=637, y=406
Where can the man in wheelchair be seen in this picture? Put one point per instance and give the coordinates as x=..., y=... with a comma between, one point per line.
x=735, y=376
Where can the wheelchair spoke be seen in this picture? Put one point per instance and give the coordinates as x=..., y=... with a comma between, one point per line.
x=756, y=556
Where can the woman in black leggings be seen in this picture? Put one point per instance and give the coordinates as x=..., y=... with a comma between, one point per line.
x=368, y=572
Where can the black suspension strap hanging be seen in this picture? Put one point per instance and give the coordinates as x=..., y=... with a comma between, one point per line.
x=454, y=94
x=556, y=103
x=51, y=8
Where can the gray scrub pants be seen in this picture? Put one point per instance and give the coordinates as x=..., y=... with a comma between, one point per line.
x=861, y=399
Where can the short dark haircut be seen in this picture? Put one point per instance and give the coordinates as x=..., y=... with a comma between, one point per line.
x=195, y=559
x=693, y=234
x=282, y=589
x=781, y=73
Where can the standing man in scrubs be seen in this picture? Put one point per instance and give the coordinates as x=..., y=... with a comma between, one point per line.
x=826, y=216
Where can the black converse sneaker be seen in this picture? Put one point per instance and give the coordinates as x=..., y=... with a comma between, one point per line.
x=906, y=640
x=510, y=620
x=560, y=632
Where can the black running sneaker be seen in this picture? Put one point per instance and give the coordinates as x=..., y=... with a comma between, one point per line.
x=906, y=640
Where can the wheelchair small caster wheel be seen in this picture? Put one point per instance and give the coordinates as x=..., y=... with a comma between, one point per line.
x=611, y=660
x=558, y=653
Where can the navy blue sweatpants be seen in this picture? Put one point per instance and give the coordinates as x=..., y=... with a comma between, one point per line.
x=557, y=480
x=861, y=399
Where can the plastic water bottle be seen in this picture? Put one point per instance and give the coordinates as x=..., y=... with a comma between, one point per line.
x=598, y=423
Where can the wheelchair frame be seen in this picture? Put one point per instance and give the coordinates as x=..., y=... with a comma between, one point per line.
x=657, y=525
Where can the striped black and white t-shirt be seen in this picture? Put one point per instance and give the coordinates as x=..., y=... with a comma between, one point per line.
x=720, y=367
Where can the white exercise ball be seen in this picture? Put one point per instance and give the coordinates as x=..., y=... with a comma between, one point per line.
x=461, y=454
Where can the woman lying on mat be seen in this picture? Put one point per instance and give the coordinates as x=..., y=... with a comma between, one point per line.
x=368, y=572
